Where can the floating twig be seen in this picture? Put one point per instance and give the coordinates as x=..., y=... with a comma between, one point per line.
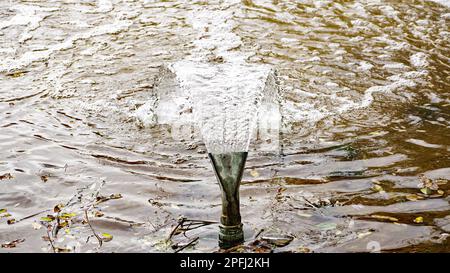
x=188, y=244
x=49, y=236
x=100, y=240
x=174, y=230
x=185, y=225
x=32, y=215
x=258, y=233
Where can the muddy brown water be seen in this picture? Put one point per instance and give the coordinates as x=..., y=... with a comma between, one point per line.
x=364, y=161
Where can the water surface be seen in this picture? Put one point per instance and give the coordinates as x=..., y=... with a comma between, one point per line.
x=364, y=159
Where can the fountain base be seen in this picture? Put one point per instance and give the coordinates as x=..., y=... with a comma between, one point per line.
x=229, y=168
x=230, y=236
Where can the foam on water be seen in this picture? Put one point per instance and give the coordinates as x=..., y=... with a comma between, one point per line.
x=216, y=74
x=442, y=2
x=215, y=88
x=419, y=60
x=31, y=17
x=26, y=15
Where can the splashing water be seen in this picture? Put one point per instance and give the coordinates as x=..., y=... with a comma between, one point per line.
x=215, y=87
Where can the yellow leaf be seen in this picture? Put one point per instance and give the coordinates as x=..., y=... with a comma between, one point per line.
x=48, y=218
x=254, y=173
x=58, y=207
x=383, y=217
x=377, y=188
x=106, y=237
x=5, y=215
x=413, y=197
x=63, y=224
x=376, y=133
x=418, y=220
x=16, y=74
x=67, y=216
x=364, y=234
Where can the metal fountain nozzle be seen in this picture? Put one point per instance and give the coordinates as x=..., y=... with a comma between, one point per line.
x=229, y=168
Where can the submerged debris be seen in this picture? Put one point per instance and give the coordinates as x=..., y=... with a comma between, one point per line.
x=184, y=225
x=278, y=240
x=6, y=176
x=12, y=244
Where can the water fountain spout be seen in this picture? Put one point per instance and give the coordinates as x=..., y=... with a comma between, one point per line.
x=229, y=168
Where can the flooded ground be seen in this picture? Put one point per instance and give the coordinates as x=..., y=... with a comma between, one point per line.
x=364, y=162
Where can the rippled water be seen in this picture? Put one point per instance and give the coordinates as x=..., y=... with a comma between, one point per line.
x=364, y=144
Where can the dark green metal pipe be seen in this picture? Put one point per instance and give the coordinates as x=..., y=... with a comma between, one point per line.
x=229, y=168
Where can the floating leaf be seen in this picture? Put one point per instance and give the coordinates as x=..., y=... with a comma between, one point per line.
x=428, y=183
x=377, y=188
x=5, y=215
x=441, y=181
x=106, y=237
x=115, y=196
x=254, y=173
x=418, y=220
x=36, y=225
x=3, y=211
x=63, y=224
x=101, y=199
x=67, y=216
x=48, y=218
x=384, y=217
x=440, y=192
x=163, y=245
x=6, y=176
x=303, y=249
x=12, y=244
x=98, y=214
x=278, y=240
x=61, y=250
x=257, y=246
x=426, y=191
x=58, y=208
x=16, y=74
x=44, y=178
x=364, y=234
x=376, y=133
x=413, y=197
